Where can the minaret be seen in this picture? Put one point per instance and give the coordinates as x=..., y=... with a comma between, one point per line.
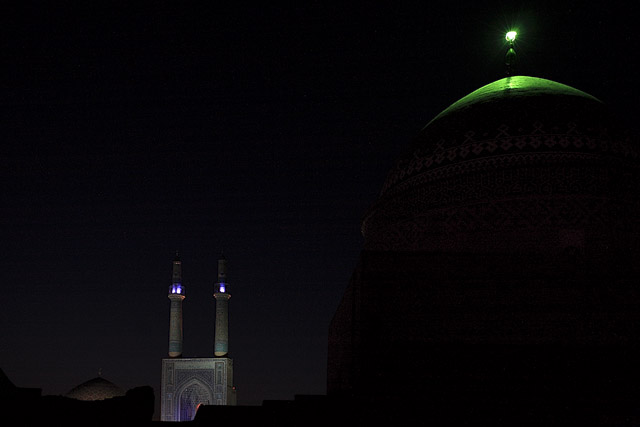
x=176, y=295
x=222, y=295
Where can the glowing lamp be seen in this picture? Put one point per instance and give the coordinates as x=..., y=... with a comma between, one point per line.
x=222, y=288
x=511, y=36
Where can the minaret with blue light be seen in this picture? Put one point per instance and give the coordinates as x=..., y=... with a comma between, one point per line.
x=222, y=296
x=176, y=295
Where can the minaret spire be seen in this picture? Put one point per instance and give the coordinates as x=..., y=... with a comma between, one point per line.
x=222, y=296
x=176, y=295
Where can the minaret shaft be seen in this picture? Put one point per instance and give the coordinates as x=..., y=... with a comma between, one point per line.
x=175, y=326
x=221, y=344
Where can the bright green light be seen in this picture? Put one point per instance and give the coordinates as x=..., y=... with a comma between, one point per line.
x=511, y=36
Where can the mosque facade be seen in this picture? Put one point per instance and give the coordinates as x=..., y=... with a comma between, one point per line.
x=188, y=383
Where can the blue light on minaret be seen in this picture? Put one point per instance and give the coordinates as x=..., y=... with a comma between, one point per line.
x=176, y=295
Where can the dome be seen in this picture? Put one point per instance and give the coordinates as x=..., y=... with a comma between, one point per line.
x=501, y=262
x=95, y=389
x=523, y=163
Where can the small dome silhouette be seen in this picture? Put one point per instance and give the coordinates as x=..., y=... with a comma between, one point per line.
x=95, y=389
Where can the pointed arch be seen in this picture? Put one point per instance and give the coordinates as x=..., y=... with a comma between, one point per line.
x=190, y=395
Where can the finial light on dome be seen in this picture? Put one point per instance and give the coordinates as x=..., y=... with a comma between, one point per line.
x=510, y=57
x=511, y=36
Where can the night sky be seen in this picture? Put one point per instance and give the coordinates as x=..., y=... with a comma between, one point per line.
x=265, y=132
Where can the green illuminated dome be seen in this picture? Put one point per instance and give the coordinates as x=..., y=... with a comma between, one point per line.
x=522, y=163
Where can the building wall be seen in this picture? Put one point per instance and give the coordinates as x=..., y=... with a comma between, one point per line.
x=493, y=327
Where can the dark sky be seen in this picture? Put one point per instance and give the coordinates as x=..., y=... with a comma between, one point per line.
x=264, y=131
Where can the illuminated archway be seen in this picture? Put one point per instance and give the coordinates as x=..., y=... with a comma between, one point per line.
x=190, y=397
